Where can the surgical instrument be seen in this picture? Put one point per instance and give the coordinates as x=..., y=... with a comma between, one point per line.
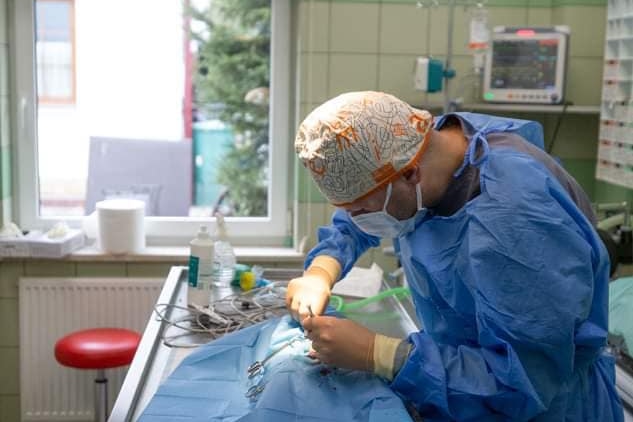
x=256, y=367
x=254, y=391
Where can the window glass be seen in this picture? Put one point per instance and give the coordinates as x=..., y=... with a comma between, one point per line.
x=163, y=101
x=55, y=51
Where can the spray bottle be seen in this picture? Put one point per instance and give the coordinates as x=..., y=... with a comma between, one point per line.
x=224, y=256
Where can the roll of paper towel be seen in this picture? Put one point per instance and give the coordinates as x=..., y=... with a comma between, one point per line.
x=121, y=225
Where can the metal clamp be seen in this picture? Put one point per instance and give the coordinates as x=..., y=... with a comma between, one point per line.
x=254, y=391
x=257, y=367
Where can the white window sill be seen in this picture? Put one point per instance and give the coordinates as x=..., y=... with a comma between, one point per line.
x=180, y=254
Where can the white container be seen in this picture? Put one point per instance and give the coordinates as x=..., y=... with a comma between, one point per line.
x=18, y=247
x=44, y=246
x=121, y=225
x=200, y=262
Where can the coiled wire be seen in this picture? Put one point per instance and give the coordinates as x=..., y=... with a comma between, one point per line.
x=222, y=316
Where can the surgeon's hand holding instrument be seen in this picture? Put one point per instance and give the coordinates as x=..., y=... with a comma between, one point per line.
x=341, y=342
x=313, y=288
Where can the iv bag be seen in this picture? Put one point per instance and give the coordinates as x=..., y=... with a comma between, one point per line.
x=479, y=32
x=479, y=35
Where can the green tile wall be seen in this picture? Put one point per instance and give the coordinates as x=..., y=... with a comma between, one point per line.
x=5, y=146
x=10, y=408
x=491, y=3
x=9, y=365
x=5, y=172
x=583, y=171
x=5, y=163
x=606, y=192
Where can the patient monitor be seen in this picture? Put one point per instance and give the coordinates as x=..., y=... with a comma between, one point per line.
x=526, y=65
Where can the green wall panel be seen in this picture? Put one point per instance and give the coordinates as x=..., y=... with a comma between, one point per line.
x=489, y=3
x=10, y=408
x=5, y=172
x=307, y=190
x=607, y=192
x=9, y=371
x=583, y=171
x=9, y=322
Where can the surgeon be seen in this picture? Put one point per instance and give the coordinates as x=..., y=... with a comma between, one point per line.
x=497, y=241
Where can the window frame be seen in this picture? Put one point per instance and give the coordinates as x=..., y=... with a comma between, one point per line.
x=273, y=230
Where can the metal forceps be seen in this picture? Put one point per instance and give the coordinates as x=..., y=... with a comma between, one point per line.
x=254, y=391
x=256, y=367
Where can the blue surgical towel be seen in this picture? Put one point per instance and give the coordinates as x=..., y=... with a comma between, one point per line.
x=211, y=384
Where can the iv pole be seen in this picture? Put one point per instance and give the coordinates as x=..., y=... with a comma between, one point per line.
x=448, y=72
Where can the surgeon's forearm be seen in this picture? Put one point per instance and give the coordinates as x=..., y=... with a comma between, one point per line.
x=389, y=355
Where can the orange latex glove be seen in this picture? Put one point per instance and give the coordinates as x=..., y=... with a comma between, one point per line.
x=341, y=342
x=313, y=288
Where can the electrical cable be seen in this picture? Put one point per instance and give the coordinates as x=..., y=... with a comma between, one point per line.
x=225, y=315
x=558, y=122
x=240, y=310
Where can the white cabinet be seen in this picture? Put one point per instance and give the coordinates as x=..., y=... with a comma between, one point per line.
x=615, y=148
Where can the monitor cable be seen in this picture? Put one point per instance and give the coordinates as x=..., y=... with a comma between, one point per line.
x=557, y=127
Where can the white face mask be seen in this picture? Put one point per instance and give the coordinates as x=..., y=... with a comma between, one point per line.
x=384, y=225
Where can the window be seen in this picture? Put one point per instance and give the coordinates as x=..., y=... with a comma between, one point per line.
x=116, y=99
x=55, y=48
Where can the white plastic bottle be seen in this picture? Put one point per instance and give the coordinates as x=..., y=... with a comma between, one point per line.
x=224, y=258
x=200, y=265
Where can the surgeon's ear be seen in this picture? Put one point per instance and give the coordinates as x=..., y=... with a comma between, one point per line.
x=412, y=175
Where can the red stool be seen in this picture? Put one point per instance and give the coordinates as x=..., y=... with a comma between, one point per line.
x=100, y=349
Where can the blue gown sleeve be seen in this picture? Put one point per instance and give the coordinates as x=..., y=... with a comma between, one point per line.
x=342, y=240
x=536, y=280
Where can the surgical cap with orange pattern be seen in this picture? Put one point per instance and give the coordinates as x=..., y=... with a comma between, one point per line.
x=359, y=141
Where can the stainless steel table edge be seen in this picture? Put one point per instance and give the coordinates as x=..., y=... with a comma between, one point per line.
x=126, y=404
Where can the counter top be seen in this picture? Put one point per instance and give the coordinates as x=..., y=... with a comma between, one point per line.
x=178, y=255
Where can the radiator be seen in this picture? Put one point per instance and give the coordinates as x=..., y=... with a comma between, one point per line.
x=53, y=307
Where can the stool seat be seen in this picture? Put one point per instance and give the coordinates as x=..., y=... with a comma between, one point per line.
x=97, y=348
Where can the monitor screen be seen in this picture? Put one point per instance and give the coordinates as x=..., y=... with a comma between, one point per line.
x=526, y=65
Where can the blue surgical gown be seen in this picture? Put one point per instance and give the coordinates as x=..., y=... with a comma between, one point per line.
x=512, y=291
